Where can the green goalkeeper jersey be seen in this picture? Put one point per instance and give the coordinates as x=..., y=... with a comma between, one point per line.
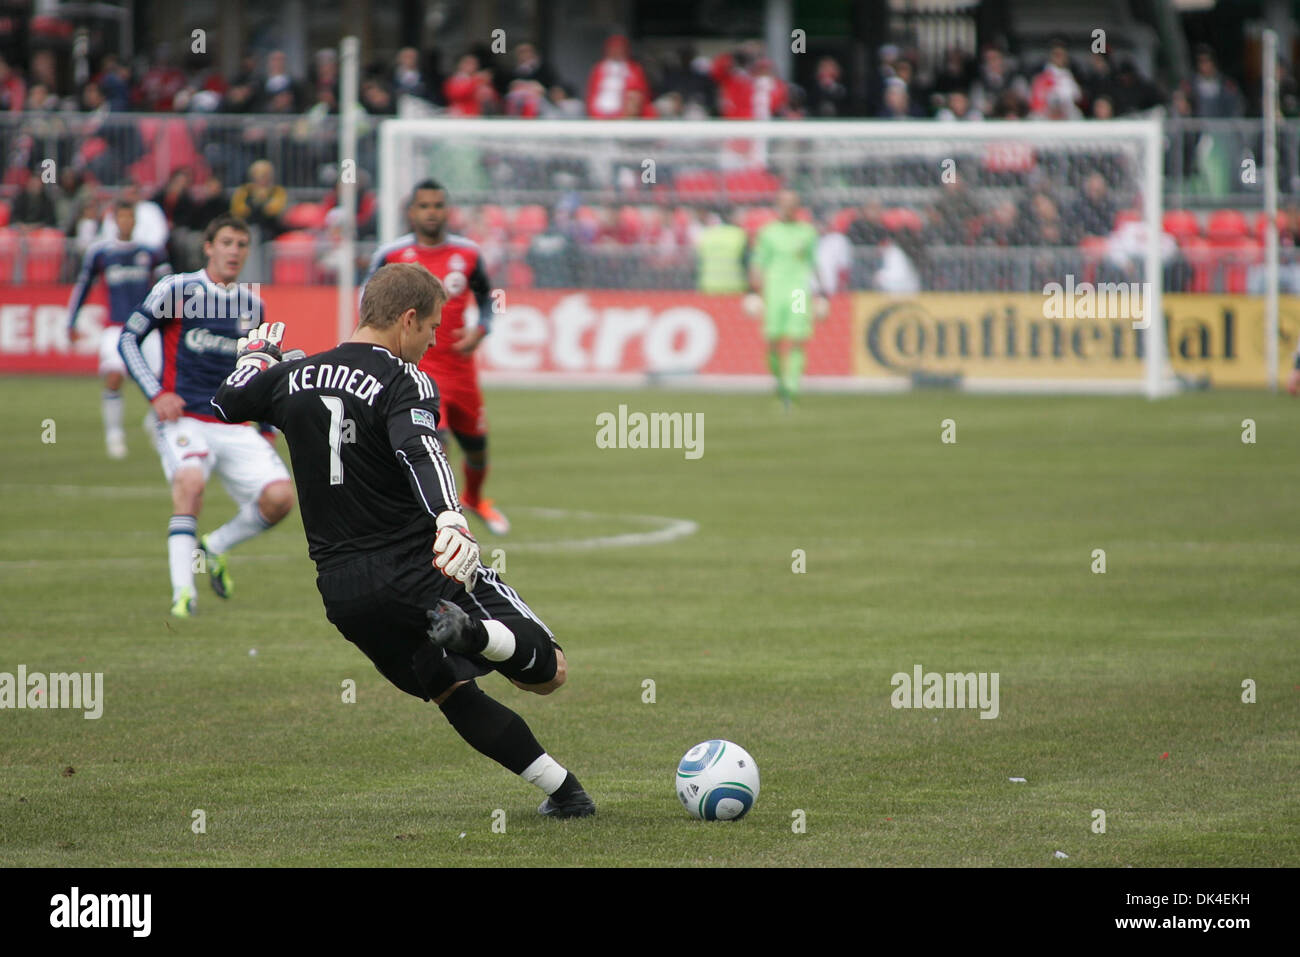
x=785, y=253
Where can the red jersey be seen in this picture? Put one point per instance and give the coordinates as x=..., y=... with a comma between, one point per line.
x=458, y=262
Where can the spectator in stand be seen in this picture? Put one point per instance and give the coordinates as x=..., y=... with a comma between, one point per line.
x=552, y=254
x=469, y=91
x=208, y=203
x=43, y=69
x=40, y=99
x=13, y=91
x=996, y=79
x=86, y=229
x=408, y=79
x=637, y=107
x=957, y=74
x=1093, y=213
x=687, y=76
x=887, y=58
x=325, y=80
x=160, y=84
x=611, y=78
x=72, y=196
x=958, y=108
x=241, y=97
x=1055, y=93
x=834, y=258
x=275, y=85
x=950, y=219
x=261, y=201
x=748, y=87
x=376, y=100
x=898, y=103
x=1002, y=227
x=1211, y=93
x=827, y=95
x=1041, y=220
x=1103, y=108
x=34, y=208
x=205, y=88
x=205, y=203
x=150, y=222
x=174, y=198
x=560, y=105
x=528, y=68
x=526, y=99
x=868, y=229
x=114, y=80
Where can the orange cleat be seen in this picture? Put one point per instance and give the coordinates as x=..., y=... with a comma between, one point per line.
x=497, y=523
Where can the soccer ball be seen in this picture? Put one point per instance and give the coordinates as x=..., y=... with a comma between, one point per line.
x=717, y=781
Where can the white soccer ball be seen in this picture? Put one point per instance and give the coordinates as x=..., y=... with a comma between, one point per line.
x=717, y=781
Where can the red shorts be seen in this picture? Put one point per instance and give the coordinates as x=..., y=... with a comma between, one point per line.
x=460, y=401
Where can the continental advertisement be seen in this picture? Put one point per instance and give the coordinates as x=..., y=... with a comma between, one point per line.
x=1212, y=339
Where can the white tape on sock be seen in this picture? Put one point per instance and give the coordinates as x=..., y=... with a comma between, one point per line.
x=501, y=642
x=546, y=773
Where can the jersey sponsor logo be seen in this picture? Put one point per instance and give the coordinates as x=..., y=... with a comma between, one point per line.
x=118, y=274
x=355, y=382
x=424, y=418
x=456, y=283
x=203, y=341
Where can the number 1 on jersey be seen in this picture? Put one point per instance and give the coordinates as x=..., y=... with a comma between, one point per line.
x=335, y=406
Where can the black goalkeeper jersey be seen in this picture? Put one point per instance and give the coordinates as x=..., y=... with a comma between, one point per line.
x=362, y=431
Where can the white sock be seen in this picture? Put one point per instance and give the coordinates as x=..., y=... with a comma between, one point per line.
x=547, y=773
x=112, y=405
x=247, y=523
x=501, y=643
x=181, y=542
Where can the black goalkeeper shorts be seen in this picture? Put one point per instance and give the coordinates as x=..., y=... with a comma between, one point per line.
x=380, y=603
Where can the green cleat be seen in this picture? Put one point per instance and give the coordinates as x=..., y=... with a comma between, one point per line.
x=185, y=605
x=218, y=570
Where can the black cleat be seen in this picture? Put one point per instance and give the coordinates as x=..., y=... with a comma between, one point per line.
x=452, y=629
x=579, y=804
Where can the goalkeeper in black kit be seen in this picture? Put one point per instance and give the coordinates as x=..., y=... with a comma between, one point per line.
x=376, y=491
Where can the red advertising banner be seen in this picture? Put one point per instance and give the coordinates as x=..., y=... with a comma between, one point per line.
x=561, y=332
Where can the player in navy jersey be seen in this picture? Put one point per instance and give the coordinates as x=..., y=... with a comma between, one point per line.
x=202, y=316
x=378, y=497
x=129, y=270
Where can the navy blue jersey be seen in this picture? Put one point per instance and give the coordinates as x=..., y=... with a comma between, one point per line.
x=201, y=325
x=129, y=270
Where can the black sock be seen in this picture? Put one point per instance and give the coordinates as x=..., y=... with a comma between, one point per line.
x=492, y=729
x=568, y=789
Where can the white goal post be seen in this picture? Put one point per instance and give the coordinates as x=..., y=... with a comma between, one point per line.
x=599, y=167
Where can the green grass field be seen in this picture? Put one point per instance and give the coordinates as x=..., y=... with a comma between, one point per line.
x=974, y=556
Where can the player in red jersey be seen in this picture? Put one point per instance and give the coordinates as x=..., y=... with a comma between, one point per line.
x=458, y=262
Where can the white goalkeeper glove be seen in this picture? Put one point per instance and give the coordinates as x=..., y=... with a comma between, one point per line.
x=261, y=348
x=455, y=552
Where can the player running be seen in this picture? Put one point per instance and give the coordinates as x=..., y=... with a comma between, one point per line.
x=783, y=268
x=458, y=262
x=202, y=316
x=371, y=509
x=129, y=270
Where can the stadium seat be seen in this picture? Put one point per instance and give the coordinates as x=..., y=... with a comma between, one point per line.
x=519, y=275
x=8, y=254
x=1236, y=256
x=1200, y=256
x=530, y=220
x=842, y=220
x=1094, y=251
x=704, y=183
x=494, y=218
x=4, y=214
x=750, y=185
x=1226, y=224
x=1126, y=216
x=1261, y=224
x=899, y=218
x=631, y=225
x=305, y=216
x=44, y=263
x=755, y=219
x=1182, y=224
x=292, y=256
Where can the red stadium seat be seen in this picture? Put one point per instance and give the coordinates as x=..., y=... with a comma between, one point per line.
x=4, y=214
x=631, y=225
x=755, y=219
x=842, y=220
x=494, y=217
x=1236, y=256
x=1182, y=224
x=8, y=254
x=1199, y=255
x=292, y=255
x=1227, y=224
x=519, y=275
x=1126, y=216
x=530, y=220
x=1261, y=224
x=896, y=219
x=703, y=182
x=44, y=262
x=305, y=216
x=1094, y=251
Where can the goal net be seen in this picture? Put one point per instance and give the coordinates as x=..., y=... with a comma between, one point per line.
x=1003, y=255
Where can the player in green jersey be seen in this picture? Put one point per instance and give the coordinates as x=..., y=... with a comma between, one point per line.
x=783, y=269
